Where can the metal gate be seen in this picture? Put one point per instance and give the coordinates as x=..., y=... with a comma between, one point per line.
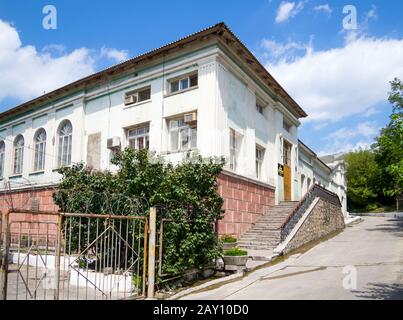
x=52, y=255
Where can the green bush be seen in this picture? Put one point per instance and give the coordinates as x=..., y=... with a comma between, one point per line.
x=187, y=194
x=235, y=252
x=228, y=239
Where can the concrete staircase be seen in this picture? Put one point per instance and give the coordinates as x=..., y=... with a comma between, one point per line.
x=265, y=233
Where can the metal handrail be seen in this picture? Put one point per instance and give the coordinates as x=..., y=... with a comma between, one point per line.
x=314, y=191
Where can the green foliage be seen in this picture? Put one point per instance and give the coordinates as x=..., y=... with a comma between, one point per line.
x=389, y=145
x=375, y=176
x=362, y=174
x=187, y=193
x=228, y=239
x=235, y=252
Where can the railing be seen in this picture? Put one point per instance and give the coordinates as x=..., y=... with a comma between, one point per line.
x=313, y=192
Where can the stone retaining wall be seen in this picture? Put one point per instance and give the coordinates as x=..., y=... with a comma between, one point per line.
x=324, y=219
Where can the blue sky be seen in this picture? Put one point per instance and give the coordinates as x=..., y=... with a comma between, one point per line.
x=340, y=77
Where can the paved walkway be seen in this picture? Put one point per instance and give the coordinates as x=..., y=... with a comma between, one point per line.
x=368, y=254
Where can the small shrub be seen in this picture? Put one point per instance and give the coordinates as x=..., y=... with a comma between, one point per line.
x=235, y=252
x=228, y=239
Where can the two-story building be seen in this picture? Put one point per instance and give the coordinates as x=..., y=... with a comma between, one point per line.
x=205, y=92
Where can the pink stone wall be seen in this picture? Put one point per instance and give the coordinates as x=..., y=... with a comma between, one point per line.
x=244, y=202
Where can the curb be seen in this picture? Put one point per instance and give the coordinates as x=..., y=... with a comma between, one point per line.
x=205, y=285
x=353, y=220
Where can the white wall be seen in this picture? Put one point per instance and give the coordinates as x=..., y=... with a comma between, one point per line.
x=225, y=98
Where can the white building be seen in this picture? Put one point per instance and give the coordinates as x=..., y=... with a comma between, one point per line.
x=204, y=92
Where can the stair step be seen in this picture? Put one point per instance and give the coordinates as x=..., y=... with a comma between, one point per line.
x=253, y=247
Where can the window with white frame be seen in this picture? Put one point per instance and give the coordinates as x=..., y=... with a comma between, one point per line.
x=138, y=138
x=235, y=142
x=138, y=95
x=18, y=154
x=182, y=135
x=65, y=134
x=183, y=83
x=259, y=161
x=2, y=154
x=40, y=150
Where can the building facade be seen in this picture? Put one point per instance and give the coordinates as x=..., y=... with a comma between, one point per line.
x=204, y=93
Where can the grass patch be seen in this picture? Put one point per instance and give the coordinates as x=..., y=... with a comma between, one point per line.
x=234, y=252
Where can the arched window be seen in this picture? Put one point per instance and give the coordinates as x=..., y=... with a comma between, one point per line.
x=40, y=150
x=65, y=134
x=18, y=154
x=2, y=152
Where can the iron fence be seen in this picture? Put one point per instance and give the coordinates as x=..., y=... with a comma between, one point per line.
x=73, y=256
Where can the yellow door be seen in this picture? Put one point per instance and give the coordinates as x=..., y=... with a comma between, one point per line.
x=287, y=183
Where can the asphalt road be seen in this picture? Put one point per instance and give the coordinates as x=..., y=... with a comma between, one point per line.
x=365, y=261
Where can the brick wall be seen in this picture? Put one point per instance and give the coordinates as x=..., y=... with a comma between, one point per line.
x=244, y=202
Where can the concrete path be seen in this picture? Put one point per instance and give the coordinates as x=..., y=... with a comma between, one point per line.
x=363, y=262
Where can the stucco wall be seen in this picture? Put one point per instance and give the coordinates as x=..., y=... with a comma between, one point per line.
x=324, y=219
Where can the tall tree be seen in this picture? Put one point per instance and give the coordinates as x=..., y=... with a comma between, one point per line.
x=389, y=145
x=362, y=173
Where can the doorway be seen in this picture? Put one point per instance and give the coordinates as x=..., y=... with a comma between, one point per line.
x=287, y=170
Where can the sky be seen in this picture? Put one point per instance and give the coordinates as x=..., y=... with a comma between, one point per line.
x=337, y=70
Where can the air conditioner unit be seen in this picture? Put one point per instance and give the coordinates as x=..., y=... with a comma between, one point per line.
x=113, y=143
x=190, y=117
x=131, y=99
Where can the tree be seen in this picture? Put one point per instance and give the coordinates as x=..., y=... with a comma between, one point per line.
x=389, y=145
x=362, y=173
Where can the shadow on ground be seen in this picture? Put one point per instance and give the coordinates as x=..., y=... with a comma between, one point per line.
x=393, y=226
x=381, y=291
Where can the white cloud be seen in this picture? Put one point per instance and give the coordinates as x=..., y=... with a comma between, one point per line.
x=337, y=83
x=288, y=10
x=325, y=8
x=27, y=72
x=114, y=54
x=275, y=51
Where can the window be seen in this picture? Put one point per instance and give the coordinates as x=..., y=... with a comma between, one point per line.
x=234, y=150
x=40, y=150
x=259, y=161
x=65, y=143
x=2, y=153
x=286, y=125
x=259, y=106
x=287, y=153
x=139, y=138
x=184, y=83
x=302, y=185
x=18, y=154
x=182, y=135
x=136, y=96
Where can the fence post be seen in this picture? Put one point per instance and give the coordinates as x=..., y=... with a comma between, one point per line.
x=4, y=261
x=151, y=252
x=58, y=253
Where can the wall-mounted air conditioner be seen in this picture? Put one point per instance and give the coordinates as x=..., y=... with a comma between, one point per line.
x=130, y=99
x=113, y=143
x=190, y=117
